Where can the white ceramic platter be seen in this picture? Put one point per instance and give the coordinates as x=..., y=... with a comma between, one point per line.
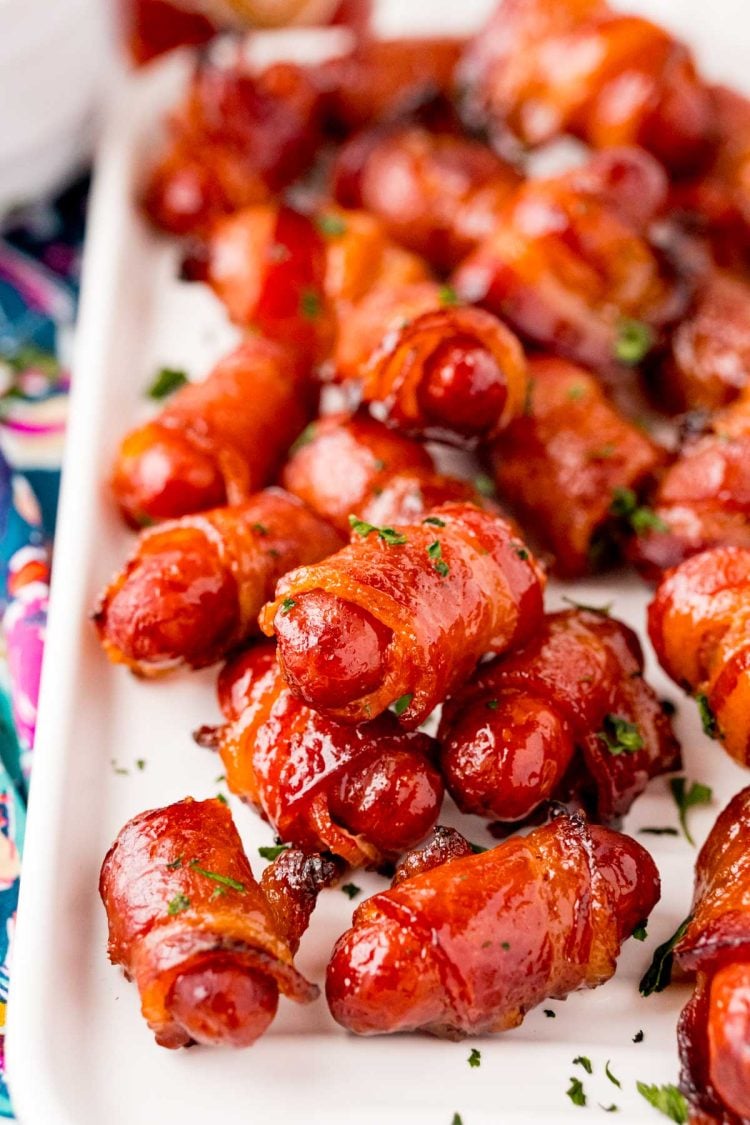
x=79, y=1052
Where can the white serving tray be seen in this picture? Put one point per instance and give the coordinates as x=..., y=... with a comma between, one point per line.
x=79, y=1053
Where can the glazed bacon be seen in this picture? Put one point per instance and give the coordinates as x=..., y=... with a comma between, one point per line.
x=384, y=79
x=435, y=368
x=193, y=588
x=570, y=266
x=542, y=68
x=709, y=352
x=562, y=463
x=364, y=793
x=237, y=137
x=470, y=945
x=353, y=463
x=437, y=194
x=703, y=499
x=214, y=442
x=402, y=615
x=698, y=625
x=569, y=713
x=713, y=1028
x=209, y=947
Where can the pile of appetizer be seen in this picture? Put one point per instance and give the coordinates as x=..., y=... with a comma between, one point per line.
x=375, y=227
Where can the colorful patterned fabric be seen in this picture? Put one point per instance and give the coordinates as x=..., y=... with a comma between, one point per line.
x=39, y=257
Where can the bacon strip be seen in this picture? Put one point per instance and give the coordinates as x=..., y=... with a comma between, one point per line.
x=191, y=926
x=567, y=714
x=469, y=946
x=192, y=588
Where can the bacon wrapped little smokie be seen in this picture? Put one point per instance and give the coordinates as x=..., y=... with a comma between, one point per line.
x=708, y=363
x=364, y=793
x=468, y=946
x=570, y=266
x=543, y=68
x=236, y=138
x=402, y=615
x=353, y=463
x=564, y=463
x=384, y=79
x=716, y=203
x=699, y=625
x=193, y=588
x=209, y=947
x=703, y=499
x=569, y=713
x=437, y=194
x=215, y=442
x=435, y=368
x=714, y=1030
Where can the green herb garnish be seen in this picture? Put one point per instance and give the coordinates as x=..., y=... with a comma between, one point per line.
x=708, y=719
x=272, y=852
x=576, y=392
x=175, y=863
x=475, y=1057
x=602, y=610
x=448, y=295
x=434, y=521
x=435, y=552
x=140, y=763
x=400, y=704
x=641, y=518
x=604, y=452
x=221, y=799
x=638, y=1037
x=351, y=890
x=686, y=799
x=177, y=904
x=585, y=1062
x=658, y=832
x=225, y=880
x=166, y=381
x=575, y=1092
x=667, y=1099
x=609, y=1108
x=260, y=528
x=640, y=933
x=287, y=605
x=550, y=1014
x=332, y=226
x=388, y=534
x=620, y=736
x=309, y=304
x=611, y=1077
x=492, y=704
x=484, y=484
x=659, y=973
x=634, y=341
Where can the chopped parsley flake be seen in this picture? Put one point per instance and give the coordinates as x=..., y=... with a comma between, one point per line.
x=641, y=518
x=575, y=1092
x=585, y=1062
x=225, y=880
x=434, y=521
x=304, y=438
x=448, y=295
x=521, y=552
x=287, y=605
x=492, y=704
x=400, y=704
x=609, y=1108
x=638, y=1037
x=332, y=226
x=634, y=341
x=457, y=1119
x=686, y=799
x=351, y=890
x=668, y=707
x=484, y=484
x=388, y=534
x=309, y=304
x=615, y=1081
x=708, y=719
x=177, y=904
x=221, y=799
x=475, y=1057
x=602, y=610
x=604, y=452
x=140, y=763
x=260, y=528
x=659, y=973
x=435, y=552
x=272, y=852
x=658, y=832
x=550, y=1014
x=177, y=862
x=166, y=381
x=620, y=736
x=640, y=933
x=576, y=392
x=667, y=1099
